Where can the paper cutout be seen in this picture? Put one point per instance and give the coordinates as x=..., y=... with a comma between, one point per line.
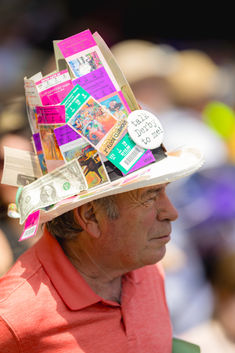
x=20, y=167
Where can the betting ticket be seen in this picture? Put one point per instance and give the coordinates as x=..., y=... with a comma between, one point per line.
x=32, y=100
x=54, y=88
x=84, y=56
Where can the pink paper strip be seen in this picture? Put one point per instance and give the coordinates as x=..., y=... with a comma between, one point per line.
x=31, y=225
x=76, y=43
x=52, y=114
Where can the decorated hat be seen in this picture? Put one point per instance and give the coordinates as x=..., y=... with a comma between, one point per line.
x=91, y=138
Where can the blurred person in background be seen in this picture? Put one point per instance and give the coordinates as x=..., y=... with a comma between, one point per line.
x=175, y=86
x=212, y=193
x=6, y=254
x=13, y=132
x=146, y=67
x=218, y=334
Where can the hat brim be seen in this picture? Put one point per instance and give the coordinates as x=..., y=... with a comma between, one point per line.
x=177, y=164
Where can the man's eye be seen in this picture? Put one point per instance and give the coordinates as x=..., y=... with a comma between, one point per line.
x=150, y=200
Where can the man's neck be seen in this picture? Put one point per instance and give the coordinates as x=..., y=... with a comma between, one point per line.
x=107, y=285
x=108, y=290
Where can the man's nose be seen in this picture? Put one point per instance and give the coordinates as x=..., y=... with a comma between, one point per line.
x=166, y=210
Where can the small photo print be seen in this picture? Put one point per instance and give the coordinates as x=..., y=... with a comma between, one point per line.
x=92, y=166
x=92, y=121
x=24, y=179
x=85, y=63
x=114, y=104
x=49, y=144
x=90, y=163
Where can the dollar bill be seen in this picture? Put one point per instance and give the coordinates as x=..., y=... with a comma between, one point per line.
x=61, y=183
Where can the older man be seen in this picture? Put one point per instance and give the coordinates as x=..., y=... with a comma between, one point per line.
x=93, y=282
x=99, y=290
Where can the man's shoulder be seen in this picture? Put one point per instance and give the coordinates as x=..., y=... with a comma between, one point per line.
x=19, y=279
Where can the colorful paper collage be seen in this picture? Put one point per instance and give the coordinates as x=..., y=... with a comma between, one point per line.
x=82, y=116
x=83, y=55
x=88, y=65
x=73, y=146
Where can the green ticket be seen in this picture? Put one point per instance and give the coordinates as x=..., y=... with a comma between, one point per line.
x=125, y=154
x=74, y=100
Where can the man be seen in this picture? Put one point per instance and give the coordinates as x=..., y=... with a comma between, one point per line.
x=94, y=295
x=92, y=282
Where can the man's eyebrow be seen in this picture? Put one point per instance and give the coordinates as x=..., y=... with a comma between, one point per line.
x=151, y=191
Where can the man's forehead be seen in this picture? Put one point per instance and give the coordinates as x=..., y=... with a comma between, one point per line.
x=142, y=192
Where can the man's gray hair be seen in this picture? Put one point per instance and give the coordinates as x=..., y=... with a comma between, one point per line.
x=66, y=227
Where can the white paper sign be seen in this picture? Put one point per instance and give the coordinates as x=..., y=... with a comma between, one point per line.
x=145, y=129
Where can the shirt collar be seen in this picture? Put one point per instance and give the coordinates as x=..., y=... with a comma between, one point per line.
x=70, y=285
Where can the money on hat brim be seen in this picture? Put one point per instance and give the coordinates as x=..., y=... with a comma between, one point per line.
x=177, y=164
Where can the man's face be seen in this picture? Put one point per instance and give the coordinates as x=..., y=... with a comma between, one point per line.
x=139, y=236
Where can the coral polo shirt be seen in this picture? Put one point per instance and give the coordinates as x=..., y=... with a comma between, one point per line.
x=47, y=307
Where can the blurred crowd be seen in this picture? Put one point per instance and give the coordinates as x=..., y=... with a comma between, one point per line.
x=191, y=94
x=194, y=97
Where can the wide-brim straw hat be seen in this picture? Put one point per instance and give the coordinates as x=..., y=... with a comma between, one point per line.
x=168, y=166
x=176, y=164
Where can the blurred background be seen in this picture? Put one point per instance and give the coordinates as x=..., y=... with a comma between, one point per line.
x=180, y=63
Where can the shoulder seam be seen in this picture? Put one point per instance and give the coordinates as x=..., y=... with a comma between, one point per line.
x=22, y=283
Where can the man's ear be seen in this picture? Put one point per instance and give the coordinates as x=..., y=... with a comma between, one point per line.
x=85, y=216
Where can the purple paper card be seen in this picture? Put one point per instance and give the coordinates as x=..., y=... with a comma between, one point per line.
x=37, y=142
x=51, y=114
x=76, y=43
x=146, y=159
x=97, y=83
x=55, y=95
x=38, y=147
x=65, y=134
